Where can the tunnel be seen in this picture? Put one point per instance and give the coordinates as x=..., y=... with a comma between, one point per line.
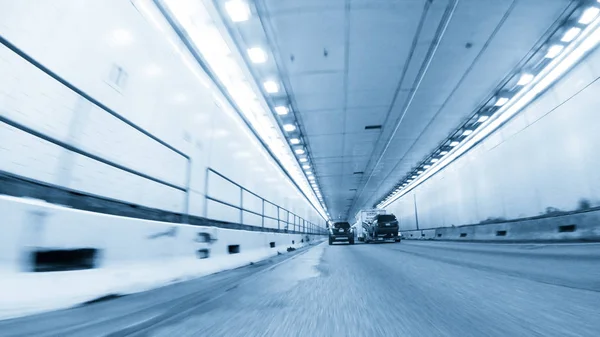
x=299, y=168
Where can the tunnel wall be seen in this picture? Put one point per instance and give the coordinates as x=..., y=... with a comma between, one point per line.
x=542, y=163
x=174, y=126
x=42, y=268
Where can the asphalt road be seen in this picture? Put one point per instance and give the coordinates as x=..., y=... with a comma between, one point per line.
x=397, y=289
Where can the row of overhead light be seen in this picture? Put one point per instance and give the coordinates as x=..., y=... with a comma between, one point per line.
x=239, y=11
x=553, y=47
x=193, y=23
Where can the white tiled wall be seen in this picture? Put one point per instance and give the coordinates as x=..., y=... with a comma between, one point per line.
x=83, y=42
x=547, y=156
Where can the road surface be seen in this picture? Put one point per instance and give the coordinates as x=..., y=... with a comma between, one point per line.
x=397, y=289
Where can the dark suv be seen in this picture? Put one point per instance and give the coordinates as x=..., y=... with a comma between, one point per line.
x=341, y=231
x=385, y=227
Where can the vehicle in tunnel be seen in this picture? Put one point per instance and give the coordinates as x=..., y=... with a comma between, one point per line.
x=384, y=227
x=341, y=231
x=364, y=218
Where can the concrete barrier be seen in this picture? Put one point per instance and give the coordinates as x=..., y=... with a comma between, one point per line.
x=571, y=227
x=53, y=257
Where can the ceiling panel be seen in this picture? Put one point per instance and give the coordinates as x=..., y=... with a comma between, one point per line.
x=329, y=83
x=326, y=145
x=309, y=42
x=319, y=101
x=331, y=169
x=369, y=98
x=345, y=64
x=327, y=122
x=357, y=119
x=294, y=6
x=383, y=4
x=379, y=38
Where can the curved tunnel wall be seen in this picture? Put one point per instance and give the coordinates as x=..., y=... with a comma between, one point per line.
x=543, y=162
x=109, y=51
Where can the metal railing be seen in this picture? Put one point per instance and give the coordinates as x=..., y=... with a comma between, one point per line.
x=89, y=154
x=296, y=225
x=285, y=218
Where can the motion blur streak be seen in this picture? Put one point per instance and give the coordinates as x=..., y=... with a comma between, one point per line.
x=408, y=289
x=196, y=167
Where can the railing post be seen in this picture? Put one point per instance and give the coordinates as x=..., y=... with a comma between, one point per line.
x=263, y=213
x=188, y=177
x=206, y=177
x=287, y=221
x=416, y=211
x=278, y=219
x=241, y=206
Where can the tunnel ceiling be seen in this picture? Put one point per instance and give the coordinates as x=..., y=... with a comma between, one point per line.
x=376, y=85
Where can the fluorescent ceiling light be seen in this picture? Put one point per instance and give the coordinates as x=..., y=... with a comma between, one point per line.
x=289, y=127
x=295, y=141
x=570, y=34
x=501, y=101
x=454, y=143
x=271, y=87
x=238, y=10
x=481, y=119
x=309, y=172
x=414, y=176
x=467, y=132
x=303, y=160
x=419, y=172
x=589, y=15
x=426, y=166
x=553, y=51
x=443, y=153
x=257, y=55
x=311, y=178
x=525, y=79
x=299, y=151
x=434, y=160
x=306, y=167
x=281, y=110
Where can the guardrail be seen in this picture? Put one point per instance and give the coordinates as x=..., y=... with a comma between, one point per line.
x=16, y=185
x=104, y=108
x=574, y=226
x=298, y=224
